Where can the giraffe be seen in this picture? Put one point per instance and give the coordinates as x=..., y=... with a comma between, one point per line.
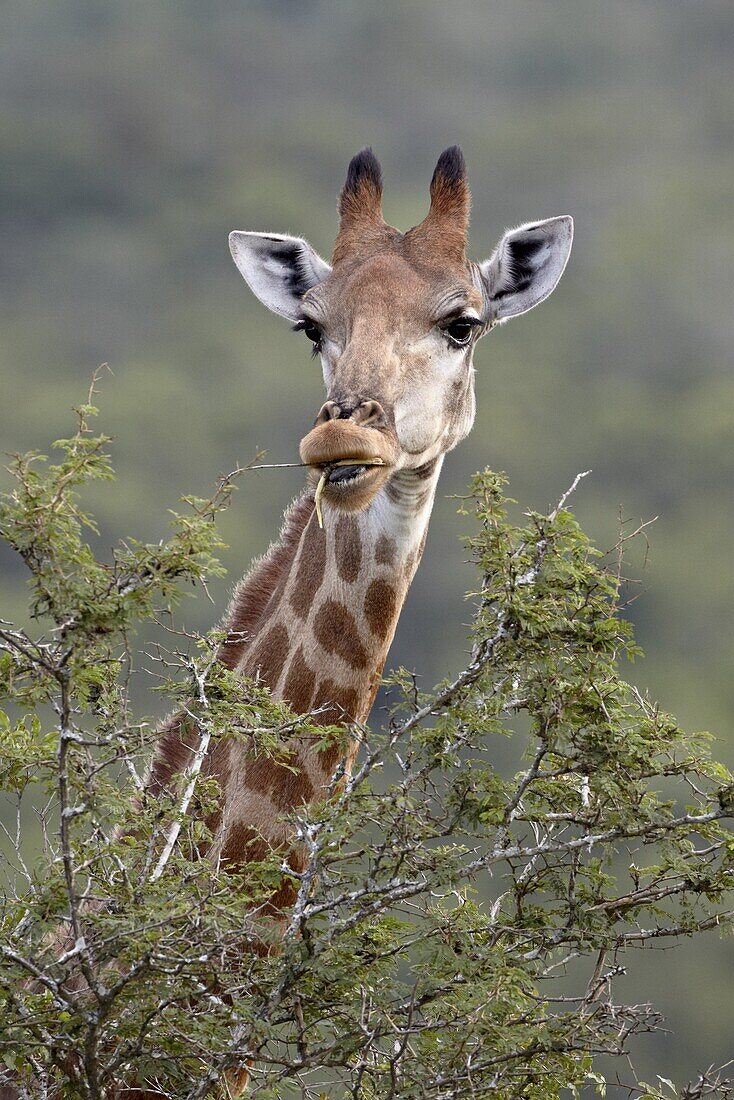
x=394, y=319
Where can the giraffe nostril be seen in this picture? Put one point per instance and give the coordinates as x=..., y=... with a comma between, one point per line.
x=328, y=411
x=369, y=413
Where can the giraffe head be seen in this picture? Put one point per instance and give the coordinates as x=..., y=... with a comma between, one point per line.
x=395, y=318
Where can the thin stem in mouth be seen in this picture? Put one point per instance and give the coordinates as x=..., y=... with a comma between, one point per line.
x=326, y=471
x=277, y=465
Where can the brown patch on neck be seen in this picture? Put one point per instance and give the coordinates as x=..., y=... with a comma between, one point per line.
x=336, y=631
x=341, y=706
x=244, y=845
x=269, y=656
x=218, y=765
x=385, y=550
x=348, y=549
x=299, y=684
x=260, y=590
x=380, y=607
x=310, y=576
x=284, y=897
x=177, y=742
x=284, y=785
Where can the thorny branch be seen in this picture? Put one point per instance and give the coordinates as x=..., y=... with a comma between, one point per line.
x=441, y=904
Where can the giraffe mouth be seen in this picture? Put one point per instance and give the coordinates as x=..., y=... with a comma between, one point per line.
x=347, y=483
x=344, y=473
x=341, y=475
x=348, y=463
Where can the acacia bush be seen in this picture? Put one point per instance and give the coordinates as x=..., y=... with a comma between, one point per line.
x=457, y=931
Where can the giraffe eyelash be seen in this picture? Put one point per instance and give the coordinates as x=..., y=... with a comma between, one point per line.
x=462, y=320
x=303, y=325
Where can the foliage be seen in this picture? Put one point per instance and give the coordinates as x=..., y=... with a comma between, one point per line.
x=456, y=932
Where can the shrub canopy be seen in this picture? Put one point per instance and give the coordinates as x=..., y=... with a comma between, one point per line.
x=457, y=931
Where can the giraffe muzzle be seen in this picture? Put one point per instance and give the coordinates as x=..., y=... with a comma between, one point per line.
x=365, y=458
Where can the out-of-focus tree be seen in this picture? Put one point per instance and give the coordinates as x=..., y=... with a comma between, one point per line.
x=455, y=932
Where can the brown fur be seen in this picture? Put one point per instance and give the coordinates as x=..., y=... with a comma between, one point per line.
x=311, y=570
x=269, y=655
x=385, y=550
x=218, y=764
x=287, y=787
x=337, y=632
x=341, y=439
x=362, y=205
x=348, y=548
x=445, y=227
x=363, y=230
x=299, y=684
x=380, y=603
x=243, y=845
x=341, y=706
x=254, y=593
x=361, y=224
x=175, y=749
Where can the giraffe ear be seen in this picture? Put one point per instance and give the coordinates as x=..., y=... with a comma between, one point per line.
x=526, y=266
x=278, y=269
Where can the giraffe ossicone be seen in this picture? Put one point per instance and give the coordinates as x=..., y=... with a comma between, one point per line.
x=394, y=319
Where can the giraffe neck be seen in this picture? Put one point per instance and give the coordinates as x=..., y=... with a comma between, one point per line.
x=313, y=620
x=325, y=626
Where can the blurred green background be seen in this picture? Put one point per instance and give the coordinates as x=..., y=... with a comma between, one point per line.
x=136, y=134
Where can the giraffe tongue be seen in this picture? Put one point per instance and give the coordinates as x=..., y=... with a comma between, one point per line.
x=344, y=473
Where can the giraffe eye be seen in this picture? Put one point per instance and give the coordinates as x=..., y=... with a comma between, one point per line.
x=459, y=331
x=312, y=331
